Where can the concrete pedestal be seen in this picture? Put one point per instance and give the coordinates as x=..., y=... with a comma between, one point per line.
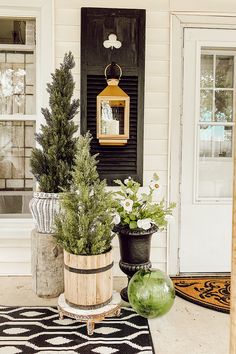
x=47, y=265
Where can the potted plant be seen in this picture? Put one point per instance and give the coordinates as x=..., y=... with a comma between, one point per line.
x=51, y=164
x=83, y=228
x=138, y=217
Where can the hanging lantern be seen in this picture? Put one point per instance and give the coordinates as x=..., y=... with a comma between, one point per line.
x=113, y=112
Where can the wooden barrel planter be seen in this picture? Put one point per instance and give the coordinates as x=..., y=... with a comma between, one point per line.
x=88, y=280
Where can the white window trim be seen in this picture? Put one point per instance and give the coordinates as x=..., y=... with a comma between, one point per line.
x=179, y=21
x=43, y=12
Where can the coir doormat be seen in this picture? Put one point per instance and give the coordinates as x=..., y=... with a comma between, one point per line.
x=38, y=330
x=211, y=292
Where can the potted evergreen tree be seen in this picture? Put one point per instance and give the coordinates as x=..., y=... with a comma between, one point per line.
x=83, y=228
x=52, y=162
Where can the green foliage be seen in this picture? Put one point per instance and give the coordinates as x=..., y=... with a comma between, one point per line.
x=52, y=163
x=84, y=224
x=137, y=210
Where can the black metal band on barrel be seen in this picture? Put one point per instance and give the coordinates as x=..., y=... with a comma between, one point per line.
x=88, y=307
x=88, y=271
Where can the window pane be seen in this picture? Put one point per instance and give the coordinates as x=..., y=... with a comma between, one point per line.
x=207, y=71
x=17, y=82
x=223, y=106
x=17, y=31
x=224, y=71
x=206, y=105
x=12, y=31
x=215, y=141
x=15, y=204
x=16, y=143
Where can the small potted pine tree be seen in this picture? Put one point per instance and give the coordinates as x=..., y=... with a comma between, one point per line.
x=52, y=162
x=83, y=228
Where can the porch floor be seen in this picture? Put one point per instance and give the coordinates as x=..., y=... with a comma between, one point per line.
x=187, y=328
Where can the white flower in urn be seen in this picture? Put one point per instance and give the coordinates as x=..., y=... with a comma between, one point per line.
x=154, y=185
x=138, y=207
x=127, y=180
x=144, y=224
x=116, y=219
x=127, y=204
x=129, y=191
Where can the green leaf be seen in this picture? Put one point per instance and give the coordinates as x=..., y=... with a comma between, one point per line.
x=132, y=217
x=133, y=225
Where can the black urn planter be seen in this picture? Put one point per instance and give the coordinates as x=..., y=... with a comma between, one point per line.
x=135, y=247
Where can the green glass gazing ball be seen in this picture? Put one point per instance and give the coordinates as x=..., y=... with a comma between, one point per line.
x=151, y=293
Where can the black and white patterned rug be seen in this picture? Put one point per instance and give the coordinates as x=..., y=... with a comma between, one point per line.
x=38, y=330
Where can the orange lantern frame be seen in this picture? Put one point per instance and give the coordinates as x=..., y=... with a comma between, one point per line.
x=115, y=97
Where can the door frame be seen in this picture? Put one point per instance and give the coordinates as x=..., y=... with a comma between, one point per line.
x=180, y=21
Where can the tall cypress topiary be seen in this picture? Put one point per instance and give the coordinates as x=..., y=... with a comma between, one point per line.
x=84, y=224
x=53, y=163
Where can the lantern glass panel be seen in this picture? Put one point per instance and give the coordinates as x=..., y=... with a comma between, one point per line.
x=112, y=117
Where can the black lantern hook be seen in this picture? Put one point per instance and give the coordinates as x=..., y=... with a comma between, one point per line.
x=112, y=70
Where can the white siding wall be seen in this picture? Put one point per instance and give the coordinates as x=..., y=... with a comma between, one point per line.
x=67, y=37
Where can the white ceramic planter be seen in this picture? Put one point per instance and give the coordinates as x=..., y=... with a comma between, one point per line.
x=43, y=207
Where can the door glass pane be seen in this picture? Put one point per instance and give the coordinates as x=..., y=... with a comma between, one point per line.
x=206, y=105
x=224, y=71
x=16, y=180
x=215, y=165
x=215, y=178
x=223, y=106
x=206, y=78
x=215, y=141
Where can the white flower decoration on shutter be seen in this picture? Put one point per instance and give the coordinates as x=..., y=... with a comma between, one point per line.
x=112, y=42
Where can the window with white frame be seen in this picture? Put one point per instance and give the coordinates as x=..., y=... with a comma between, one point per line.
x=215, y=124
x=17, y=113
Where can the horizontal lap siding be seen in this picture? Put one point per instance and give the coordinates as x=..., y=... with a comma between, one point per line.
x=67, y=37
x=15, y=247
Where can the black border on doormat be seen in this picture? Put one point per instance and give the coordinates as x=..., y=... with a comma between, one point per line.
x=196, y=301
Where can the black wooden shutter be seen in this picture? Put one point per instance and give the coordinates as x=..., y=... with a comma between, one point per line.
x=129, y=26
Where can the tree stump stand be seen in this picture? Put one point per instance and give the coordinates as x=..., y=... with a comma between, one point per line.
x=90, y=317
x=47, y=265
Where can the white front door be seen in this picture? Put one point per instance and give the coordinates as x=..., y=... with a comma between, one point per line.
x=207, y=141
